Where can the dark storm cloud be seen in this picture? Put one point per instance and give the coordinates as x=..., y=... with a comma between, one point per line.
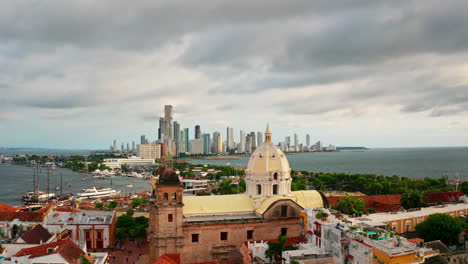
x=250, y=47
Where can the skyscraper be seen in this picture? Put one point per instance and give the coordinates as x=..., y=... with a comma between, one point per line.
x=253, y=142
x=143, y=139
x=259, y=138
x=206, y=143
x=197, y=132
x=242, y=142
x=248, y=143
x=308, y=141
x=229, y=138
x=182, y=142
x=296, y=143
x=177, y=137
x=128, y=147
x=217, y=142
x=161, y=128
x=288, y=142
x=168, y=122
x=187, y=142
x=133, y=146
x=114, y=147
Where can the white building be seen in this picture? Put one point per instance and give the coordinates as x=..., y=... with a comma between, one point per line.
x=96, y=229
x=196, y=146
x=149, y=151
x=114, y=163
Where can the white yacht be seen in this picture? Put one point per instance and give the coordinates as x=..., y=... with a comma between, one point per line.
x=97, y=193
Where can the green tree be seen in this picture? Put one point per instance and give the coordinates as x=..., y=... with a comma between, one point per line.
x=412, y=199
x=441, y=227
x=275, y=250
x=130, y=212
x=350, y=205
x=121, y=233
x=99, y=205
x=136, y=202
x=112, y=204
x=85, y=260
x=226, y=187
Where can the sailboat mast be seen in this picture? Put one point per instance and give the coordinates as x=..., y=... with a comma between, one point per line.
x=61, y=183
x=34, y=181
x=48, y=177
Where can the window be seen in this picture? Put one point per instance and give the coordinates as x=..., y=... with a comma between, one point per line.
x=166, y=196
x=250, y=234
x=195, y=238
x=224, y=235
x=169, y=218
x=174, y=196
x=275, y=176
x=284, y=211
x=284, y=231
x=407, y=227
x=259, y=189
x=275, y=189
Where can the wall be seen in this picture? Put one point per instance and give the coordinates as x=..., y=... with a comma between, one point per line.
x=210, y=247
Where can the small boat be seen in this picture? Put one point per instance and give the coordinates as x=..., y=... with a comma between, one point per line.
x=130, y=186
x=84, y=178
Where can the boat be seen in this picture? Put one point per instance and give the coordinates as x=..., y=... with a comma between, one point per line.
x=37, y=197
x=97, y=193
x=100, y=176
x=129, y=185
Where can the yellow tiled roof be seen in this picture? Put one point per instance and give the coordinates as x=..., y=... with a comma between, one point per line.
x=306, y=199
x=217, y=204
x=242, y=203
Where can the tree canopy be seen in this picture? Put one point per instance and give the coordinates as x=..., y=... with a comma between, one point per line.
x=441, y=227
x=350, y=205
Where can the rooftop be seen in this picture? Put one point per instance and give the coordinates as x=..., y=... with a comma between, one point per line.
x=378, y=219
x=37, y=235
x=82, y=218
x=70, y=251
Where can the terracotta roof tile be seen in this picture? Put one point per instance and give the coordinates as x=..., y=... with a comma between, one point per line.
x=69, y=250
x=442, y=197
x=168, y=259
x=36, y=235
x=7, y=208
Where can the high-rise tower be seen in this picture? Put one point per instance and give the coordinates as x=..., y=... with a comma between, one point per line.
x=168, y=122
x=197, y=132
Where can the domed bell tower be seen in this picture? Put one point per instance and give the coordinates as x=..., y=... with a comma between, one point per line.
x=165, y=231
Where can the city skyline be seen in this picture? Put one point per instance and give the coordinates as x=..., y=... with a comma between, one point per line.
x=372, y=74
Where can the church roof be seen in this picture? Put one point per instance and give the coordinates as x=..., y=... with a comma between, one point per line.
x=243, y=203
x=217, y=204
x=306, y=199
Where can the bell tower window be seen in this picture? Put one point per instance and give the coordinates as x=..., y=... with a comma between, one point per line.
x=275, y=176
x=259, y=189
x=166, y=196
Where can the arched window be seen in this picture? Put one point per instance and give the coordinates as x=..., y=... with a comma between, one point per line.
x=174, y=196
x=259, y=189
x=275, y=175
x=166, y=196
x=275, y=188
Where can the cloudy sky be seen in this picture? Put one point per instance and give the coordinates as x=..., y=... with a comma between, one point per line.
x=77, y=74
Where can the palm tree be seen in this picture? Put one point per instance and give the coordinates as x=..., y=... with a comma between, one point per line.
x=226, y=187
x=275, y=250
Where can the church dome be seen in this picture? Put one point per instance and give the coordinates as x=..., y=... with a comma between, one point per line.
x=268, y=171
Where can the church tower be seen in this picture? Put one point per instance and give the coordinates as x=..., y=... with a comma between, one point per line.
x=268, y=172
x=165, y=229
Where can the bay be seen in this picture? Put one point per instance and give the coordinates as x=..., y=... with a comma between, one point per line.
x=414, y=163
x=16, y=180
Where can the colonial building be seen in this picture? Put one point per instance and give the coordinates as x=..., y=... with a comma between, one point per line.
x=213, y=228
